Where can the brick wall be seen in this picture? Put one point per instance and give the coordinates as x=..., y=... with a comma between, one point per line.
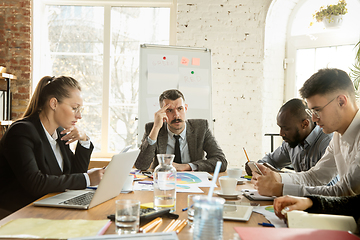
x=248, y=80
x=15, y=50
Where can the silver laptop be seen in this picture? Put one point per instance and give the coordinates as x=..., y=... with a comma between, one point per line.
x=110, y=186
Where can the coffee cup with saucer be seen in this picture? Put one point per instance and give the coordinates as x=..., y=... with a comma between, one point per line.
x=228, y=188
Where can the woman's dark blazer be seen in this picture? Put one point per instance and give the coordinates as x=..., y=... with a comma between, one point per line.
x=29, y=169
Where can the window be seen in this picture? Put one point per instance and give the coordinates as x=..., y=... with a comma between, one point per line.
x=310, y=48
x=98, y=44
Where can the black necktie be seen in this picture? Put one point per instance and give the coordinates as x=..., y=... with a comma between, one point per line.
x=177, y=149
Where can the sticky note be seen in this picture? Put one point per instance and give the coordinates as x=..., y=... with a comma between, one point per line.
x=147, y=205
x=195, y=61
x=184, y=61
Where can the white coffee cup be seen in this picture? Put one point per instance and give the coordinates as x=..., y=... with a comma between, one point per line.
x=234, y=172
x=228, y=185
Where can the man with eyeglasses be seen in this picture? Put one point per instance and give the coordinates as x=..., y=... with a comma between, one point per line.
x=330, y=95
x=304, y=142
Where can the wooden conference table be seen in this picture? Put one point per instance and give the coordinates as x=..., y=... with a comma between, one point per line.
x=103, y=210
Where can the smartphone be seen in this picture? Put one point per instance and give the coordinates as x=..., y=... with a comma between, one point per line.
x=254, y=168
x=271, y=167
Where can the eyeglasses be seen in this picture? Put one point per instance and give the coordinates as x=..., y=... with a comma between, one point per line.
x=313, y=112
x=76, y=110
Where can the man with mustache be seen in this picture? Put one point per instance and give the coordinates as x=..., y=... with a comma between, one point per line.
x=304, y=141
x=195, y=138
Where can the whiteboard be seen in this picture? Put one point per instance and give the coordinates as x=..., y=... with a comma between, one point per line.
x=172, y=67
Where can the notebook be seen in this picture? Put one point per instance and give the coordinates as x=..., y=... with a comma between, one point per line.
x=109, y=187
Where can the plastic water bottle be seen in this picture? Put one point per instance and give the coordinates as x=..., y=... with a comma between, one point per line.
x=208, y=218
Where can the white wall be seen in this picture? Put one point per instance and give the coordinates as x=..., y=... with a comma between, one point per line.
x=248, y=80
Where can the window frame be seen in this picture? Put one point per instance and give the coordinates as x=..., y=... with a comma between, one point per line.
x=293, y=43
x=38, y=35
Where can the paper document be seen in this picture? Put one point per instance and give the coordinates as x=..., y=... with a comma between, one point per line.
x=147, y=236
x=268, y=212
x=44, y=228
x=266, y=233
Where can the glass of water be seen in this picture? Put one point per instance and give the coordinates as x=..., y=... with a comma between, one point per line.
x=127, y=216
x=208, y=218
x=191, y=209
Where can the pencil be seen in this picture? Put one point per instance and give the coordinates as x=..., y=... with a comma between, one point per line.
x=246, y=155
x=148, y=224
x=151, y=226
x=157, y=227
x=168, y=226
x=175, y=224
x=104, y=228
x=181, y=227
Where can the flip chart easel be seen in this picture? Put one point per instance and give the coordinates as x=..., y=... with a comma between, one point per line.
x=174, y=67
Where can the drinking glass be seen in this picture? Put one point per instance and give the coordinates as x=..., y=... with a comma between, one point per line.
x=127, y=216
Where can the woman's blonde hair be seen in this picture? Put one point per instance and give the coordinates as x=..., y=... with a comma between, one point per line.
x=47, y=88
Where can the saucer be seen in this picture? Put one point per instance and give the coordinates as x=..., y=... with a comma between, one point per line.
x=241, y=181
x=228, y=196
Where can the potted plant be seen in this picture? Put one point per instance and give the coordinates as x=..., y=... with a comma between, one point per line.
x=331, y=15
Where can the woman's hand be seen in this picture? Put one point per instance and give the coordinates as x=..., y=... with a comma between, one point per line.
x=95, y=175
x=73, y=134
x=285, y=204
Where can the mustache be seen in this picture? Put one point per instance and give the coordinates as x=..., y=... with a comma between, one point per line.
x=176, y=120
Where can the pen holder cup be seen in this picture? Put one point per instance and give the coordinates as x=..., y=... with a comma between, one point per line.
x=208, y=218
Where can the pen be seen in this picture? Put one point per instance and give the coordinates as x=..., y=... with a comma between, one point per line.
x=185, y=209
x=266, y=224
x=93, y=188
x=146, y=182
x=246, y=155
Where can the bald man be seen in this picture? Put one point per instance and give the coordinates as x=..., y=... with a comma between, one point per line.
x=304, y=142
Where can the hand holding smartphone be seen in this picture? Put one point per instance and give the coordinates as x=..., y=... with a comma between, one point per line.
x=254, y=168
x=272, y=168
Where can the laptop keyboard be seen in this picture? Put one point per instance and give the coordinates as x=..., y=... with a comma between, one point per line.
x=81, y=200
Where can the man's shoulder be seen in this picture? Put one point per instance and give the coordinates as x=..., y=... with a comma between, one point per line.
x=197, y=122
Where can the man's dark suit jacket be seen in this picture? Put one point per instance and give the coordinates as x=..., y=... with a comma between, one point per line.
x=29, y=169
x=199, y=139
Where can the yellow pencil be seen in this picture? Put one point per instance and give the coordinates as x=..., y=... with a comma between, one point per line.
x=181, y=227
x=246, y=155
x=168, y=226
x=148, y=224
x=151, y=226
x=157, y=227
x=173, y=226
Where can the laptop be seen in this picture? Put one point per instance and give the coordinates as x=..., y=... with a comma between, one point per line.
x=110, y=186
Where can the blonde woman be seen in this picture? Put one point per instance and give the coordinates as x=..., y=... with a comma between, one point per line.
x=35, y=158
